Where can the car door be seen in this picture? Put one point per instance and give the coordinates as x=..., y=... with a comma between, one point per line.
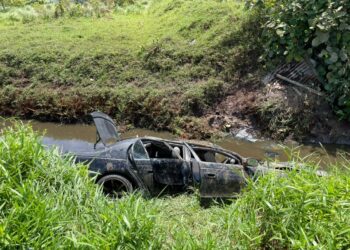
x=142, y=163
x=163, y=167
x=217, y=179
x=168, y=166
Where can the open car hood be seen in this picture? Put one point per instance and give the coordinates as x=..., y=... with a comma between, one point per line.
x=106, y=130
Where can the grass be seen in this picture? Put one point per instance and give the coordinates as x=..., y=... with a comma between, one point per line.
x=48, y=202
x=146, y=68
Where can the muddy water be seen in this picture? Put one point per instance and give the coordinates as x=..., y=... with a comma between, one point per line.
x=79, y=138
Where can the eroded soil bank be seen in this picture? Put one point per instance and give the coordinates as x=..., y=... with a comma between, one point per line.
x=281, y=112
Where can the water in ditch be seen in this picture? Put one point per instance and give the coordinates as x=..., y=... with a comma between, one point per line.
x=81, y=137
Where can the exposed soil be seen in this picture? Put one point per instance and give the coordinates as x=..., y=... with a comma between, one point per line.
x=238, y=111
x=279, y=111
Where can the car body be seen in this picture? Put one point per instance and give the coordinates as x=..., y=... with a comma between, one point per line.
x=155, y=165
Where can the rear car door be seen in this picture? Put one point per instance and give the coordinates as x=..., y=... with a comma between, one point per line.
x=220, y=180
x=156, y=163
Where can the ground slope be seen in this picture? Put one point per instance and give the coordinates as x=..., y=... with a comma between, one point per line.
x=159, y=68
x=190, y=67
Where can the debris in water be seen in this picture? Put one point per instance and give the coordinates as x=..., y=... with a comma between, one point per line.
x=244, y=135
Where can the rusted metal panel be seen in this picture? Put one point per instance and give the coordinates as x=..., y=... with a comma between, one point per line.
x=302, y=72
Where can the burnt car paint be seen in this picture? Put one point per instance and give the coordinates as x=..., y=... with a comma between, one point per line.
x=152, y=164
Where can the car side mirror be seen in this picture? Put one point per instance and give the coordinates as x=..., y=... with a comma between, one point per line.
x=252, y=162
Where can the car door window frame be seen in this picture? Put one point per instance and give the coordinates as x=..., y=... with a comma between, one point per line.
x=168, y=146
x=219, y=151
x=144, y=149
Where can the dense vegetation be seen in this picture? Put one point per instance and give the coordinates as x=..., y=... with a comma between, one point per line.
x=49, y=202
x=167, y=60
x=316, y=30
x=158, y=64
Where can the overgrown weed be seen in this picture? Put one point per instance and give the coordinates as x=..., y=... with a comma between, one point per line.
x=47, y=201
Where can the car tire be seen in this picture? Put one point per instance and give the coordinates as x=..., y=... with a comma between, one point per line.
x=115, y=186
x=205, y=202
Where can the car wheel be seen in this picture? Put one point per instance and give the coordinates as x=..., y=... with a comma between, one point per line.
x=115, y=186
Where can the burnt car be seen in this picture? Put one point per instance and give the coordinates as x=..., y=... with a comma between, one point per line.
x=155, y=165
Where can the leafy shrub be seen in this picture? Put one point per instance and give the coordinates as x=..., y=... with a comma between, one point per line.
x=296, y=29
x=11, y=3
x=90, y=8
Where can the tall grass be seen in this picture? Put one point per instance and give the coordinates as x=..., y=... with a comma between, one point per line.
x=49, y=202
x=301, y=211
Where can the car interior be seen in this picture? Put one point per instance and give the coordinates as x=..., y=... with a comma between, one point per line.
x=207, y=155
x=160, y=150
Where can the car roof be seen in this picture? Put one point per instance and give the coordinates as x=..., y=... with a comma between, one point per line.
x=190, y=142
x=193, y=143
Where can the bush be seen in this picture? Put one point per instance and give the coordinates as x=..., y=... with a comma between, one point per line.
x=320, y=30
x=11, y=3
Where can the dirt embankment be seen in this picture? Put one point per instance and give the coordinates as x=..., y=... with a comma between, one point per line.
x=280, y=111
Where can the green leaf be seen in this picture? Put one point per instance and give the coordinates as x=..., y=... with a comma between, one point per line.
x=320, y=26
x=328, y=86
x=343, y=55
x=321, y=37
x=280, y=32
x=333, y=59
x=342, y=100
x=344, y=26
